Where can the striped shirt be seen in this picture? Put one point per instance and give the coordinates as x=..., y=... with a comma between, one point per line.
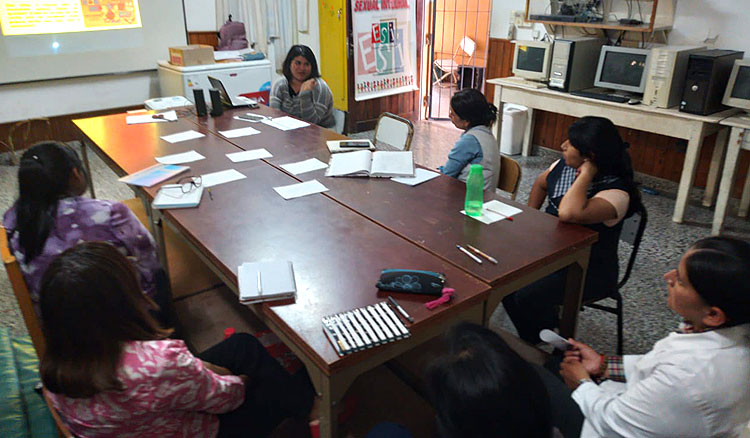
x=314, y=106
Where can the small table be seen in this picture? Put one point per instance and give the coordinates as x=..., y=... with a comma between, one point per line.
x=670, y=122
x=738, y=125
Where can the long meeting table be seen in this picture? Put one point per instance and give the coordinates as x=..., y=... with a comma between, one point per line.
x=340, y=240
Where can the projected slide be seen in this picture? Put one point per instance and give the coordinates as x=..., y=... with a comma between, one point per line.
x=26, y=17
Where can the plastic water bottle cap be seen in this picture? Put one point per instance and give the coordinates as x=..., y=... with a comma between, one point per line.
x=229, y=331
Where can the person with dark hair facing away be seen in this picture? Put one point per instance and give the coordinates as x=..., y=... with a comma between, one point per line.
x=302, y=92
x=51, y=215
x=470, y=111
x=592, y=185
x=480, y=388
x=112, y=372
x=694, y=383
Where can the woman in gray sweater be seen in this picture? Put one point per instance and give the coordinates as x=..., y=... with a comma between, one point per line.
x=302, y=92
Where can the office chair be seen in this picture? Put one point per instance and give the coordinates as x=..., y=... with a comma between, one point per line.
x=393, y=131
x=510, y=176
x=632, y=233
x=449, y=66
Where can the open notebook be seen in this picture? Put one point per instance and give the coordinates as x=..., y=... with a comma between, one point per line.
x=367, y=163
x=266, y=281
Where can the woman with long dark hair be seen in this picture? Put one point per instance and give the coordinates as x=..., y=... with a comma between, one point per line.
x=591, y=185
x=51, y=215
x=471, y=112
x=302, y=92
x=110, y=370
x=695, y=382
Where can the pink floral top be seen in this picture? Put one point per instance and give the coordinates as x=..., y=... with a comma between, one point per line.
x=168, y=393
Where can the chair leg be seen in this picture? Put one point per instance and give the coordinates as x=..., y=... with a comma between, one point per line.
x=619, y=327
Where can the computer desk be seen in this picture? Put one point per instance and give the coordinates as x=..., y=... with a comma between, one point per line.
x=739, y=125
x=670, y=122
x=339, y=246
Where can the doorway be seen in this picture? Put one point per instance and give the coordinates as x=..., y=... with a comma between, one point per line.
x=455, y=42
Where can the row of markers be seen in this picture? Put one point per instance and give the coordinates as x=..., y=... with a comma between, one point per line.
x=363, y=328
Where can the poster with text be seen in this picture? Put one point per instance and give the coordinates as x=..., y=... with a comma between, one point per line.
x=28, y=17
x=385, y=47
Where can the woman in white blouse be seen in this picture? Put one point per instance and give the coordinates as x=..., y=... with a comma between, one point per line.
x=694, y=383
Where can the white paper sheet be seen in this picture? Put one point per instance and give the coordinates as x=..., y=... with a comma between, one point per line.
x=301, y=189
x=489, y=216
x=304, y=166
x=240, y=132
x=221, y=177
x=185, y=157
x=285, y=123
x=169, y=116
x=254, y=154
x=420, y=176
x=181, y=136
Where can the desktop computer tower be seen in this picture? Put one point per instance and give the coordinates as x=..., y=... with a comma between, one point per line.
x=574, y=61
x=706, y=79
x=666, y=75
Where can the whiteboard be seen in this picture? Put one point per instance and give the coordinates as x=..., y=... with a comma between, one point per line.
x=25, y=58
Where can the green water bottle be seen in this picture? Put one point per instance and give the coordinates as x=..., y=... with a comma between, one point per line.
x=474, y=191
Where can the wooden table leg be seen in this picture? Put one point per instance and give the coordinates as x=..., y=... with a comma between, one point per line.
x=528, y=133
x=688, y=171
x=713, y=172
x=745, y=201
x=727, y=178
x=157, y=230
x=575, y=282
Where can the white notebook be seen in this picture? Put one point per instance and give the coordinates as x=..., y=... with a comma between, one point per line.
x=266, y=281
x=375, y=164
x=171, y=196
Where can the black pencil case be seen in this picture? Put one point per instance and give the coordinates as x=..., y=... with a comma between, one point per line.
x=411, y=281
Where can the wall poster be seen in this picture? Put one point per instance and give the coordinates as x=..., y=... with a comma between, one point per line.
x=385, y=47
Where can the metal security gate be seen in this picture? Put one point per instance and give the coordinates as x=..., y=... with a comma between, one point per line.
x=459, y=34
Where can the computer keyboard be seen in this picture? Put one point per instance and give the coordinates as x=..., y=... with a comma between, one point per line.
x=524, y=82
x=601, y=96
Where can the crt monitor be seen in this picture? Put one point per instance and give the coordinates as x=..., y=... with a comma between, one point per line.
x=737, y=94
x=531, y=59
x=622, y=68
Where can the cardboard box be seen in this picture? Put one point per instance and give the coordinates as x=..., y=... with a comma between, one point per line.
x=194, y=54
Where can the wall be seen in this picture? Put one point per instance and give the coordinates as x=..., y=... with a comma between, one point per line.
x=70, y=96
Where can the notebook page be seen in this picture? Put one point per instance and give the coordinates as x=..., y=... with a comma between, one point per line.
x=391, y=163
x=350, y=163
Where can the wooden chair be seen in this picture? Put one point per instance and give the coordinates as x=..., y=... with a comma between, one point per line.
x=393, y=131
x=21, y=291
x=632, y=233
x=510, y=176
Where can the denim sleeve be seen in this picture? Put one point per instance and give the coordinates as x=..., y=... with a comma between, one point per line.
x=467, y=150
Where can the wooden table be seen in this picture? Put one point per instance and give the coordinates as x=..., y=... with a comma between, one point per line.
x=738, y=124
x=339, y=241
x=670, y=122
x=534, y=245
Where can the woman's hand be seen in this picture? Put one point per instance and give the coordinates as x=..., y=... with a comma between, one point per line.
x=584, y=354
x=308, y=85
x=588, y=168
x=572, y=371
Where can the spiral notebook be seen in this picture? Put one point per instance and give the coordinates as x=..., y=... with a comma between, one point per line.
x=266, y=281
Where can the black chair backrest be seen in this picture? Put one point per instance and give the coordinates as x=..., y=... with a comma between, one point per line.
x=632, y=233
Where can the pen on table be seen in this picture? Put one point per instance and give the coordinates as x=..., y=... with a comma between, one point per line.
x=260, y=289
x=400, y=309
x=210, y=195
x=505, y=216
x=483, y=254
x=466, y=251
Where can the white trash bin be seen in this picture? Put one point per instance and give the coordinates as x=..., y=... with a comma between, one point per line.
x=514, y=122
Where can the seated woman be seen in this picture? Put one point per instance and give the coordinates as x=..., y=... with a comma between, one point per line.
x=110, y=371
x=302, y=92
x=695, y=383
x=592, y=185
x=482, y=388
x=471, y=112
x=50, y=216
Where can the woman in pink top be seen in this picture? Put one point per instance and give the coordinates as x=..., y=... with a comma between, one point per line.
x=110, y=370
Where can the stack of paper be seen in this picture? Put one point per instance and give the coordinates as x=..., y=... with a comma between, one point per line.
x=285, y=123
x=153, y=174
x=266, y=281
